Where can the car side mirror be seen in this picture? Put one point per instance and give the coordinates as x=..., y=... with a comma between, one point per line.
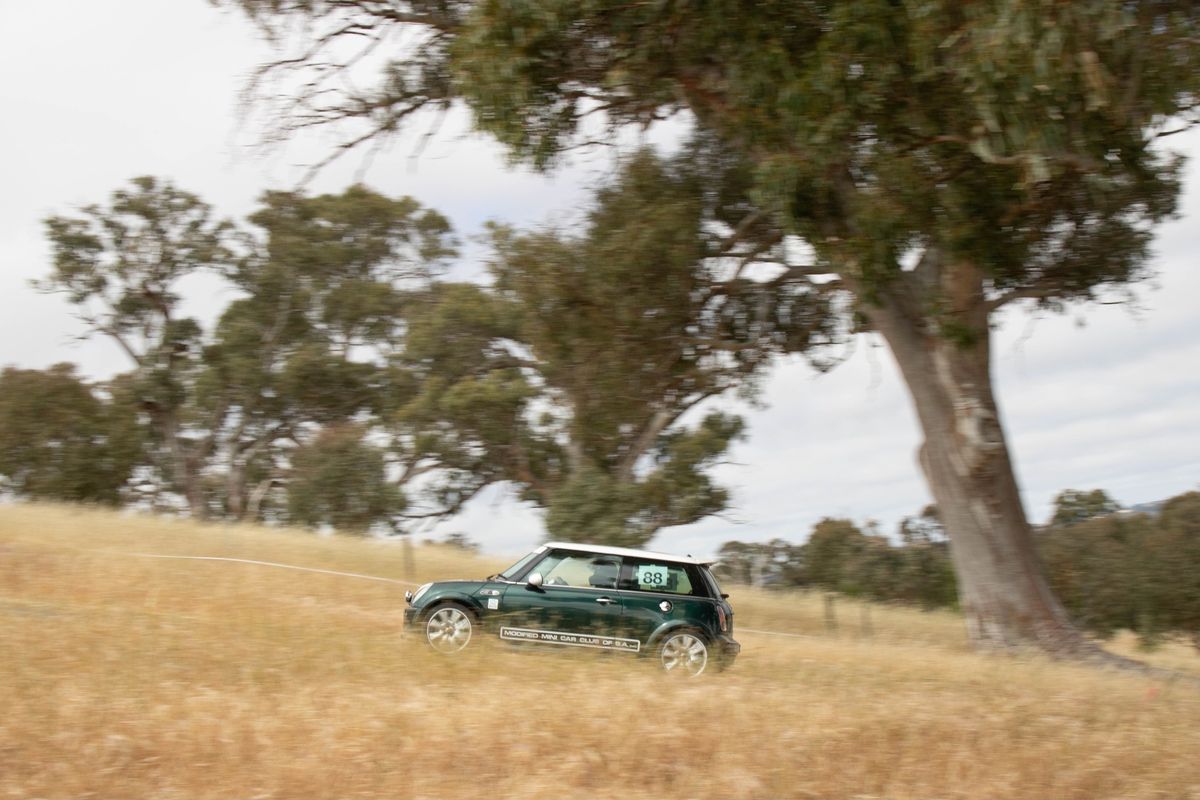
x=534, y=580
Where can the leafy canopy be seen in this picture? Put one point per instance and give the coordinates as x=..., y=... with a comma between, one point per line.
x=1014, y=135
x=59, y=440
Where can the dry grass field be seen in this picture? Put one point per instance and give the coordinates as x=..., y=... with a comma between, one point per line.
x=130, y=677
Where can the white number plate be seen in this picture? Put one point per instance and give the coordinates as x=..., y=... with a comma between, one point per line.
x=652, y=576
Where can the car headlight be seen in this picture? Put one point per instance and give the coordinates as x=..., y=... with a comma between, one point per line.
x=412, y=601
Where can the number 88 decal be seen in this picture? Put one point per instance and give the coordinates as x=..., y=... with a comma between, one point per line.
x=653, y=576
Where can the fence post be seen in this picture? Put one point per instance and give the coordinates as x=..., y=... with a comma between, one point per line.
x=867, y=629
x=410, y=561
x=831, y=623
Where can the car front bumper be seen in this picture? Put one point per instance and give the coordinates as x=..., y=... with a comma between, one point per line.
x=410, y=618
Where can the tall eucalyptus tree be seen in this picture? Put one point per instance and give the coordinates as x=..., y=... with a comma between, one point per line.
x=942, y=160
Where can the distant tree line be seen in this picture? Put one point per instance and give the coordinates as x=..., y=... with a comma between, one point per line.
x=349, y=384
x=839, y=556
x=1112, y=569
x=1138, y=572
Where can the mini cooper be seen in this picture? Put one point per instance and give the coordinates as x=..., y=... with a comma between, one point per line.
x=587, y=596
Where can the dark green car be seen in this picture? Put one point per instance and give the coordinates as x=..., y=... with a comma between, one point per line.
x=577, y=595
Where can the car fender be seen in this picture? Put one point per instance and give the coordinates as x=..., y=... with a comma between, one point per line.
x=669, y=627
x=458, y=598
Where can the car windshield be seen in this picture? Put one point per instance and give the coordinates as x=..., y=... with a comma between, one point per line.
x=512, y=572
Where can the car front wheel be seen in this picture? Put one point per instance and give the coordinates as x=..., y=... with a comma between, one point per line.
x=683, y=653
x=448, y=628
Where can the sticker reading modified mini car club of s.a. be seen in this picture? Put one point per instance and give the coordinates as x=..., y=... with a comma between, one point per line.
x=570, y=639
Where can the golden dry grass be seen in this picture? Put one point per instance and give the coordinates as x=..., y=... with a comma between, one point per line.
x=129, y=677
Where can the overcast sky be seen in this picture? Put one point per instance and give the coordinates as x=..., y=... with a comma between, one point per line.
x=96, y=93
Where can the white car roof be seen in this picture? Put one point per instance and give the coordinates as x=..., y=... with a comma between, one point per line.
x=625, y=551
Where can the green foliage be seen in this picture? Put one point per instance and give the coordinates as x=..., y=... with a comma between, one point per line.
x=926, y=576
x=777, y=563
x=594, y=506
x=120, y=264
x=567, y=378
x=629, y=324
x=1176, y=574
x=840, y=557
x=940, y=158
x=1098, y=568
x=339, y=481
x=1130, y=571
x=308, y=344
x=467, y=411
x=1011, y=135
x=1112, y=571
x=591, y=506
x=831, y=548
x=60, y=441
x=1072, y=506
x=312, y=344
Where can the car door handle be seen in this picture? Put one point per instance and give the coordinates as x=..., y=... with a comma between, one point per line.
x=605, y=600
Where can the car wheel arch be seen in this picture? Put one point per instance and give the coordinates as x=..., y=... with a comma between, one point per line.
x=675, y=626
x=451, y=600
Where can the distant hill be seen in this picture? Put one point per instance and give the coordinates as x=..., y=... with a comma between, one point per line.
x=1153, y=508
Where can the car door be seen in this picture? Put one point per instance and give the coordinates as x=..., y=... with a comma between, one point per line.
x=576, y=605
x=657, y=596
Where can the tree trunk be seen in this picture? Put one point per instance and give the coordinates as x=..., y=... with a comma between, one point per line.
x=183, y=466
x=945, y=362
x=235, y=490
x=254, y=507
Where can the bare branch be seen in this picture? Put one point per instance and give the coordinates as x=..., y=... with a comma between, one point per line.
x=658, y=422
x=415, y=470
x=1023, y=293
x=740, y=231
x=116, y=336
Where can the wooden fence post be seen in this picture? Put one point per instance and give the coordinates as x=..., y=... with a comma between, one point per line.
x=831, y=623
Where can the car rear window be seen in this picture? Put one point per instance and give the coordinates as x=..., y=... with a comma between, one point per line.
x=640, y=575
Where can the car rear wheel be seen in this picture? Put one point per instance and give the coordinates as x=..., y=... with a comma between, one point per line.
x=683, y=653
x=448, y=628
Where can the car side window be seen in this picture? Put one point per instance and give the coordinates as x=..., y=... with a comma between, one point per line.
x=580, y=569
x=650, y=576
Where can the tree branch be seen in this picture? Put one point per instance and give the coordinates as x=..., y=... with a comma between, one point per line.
x=1023, y=293
x=740, y=231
